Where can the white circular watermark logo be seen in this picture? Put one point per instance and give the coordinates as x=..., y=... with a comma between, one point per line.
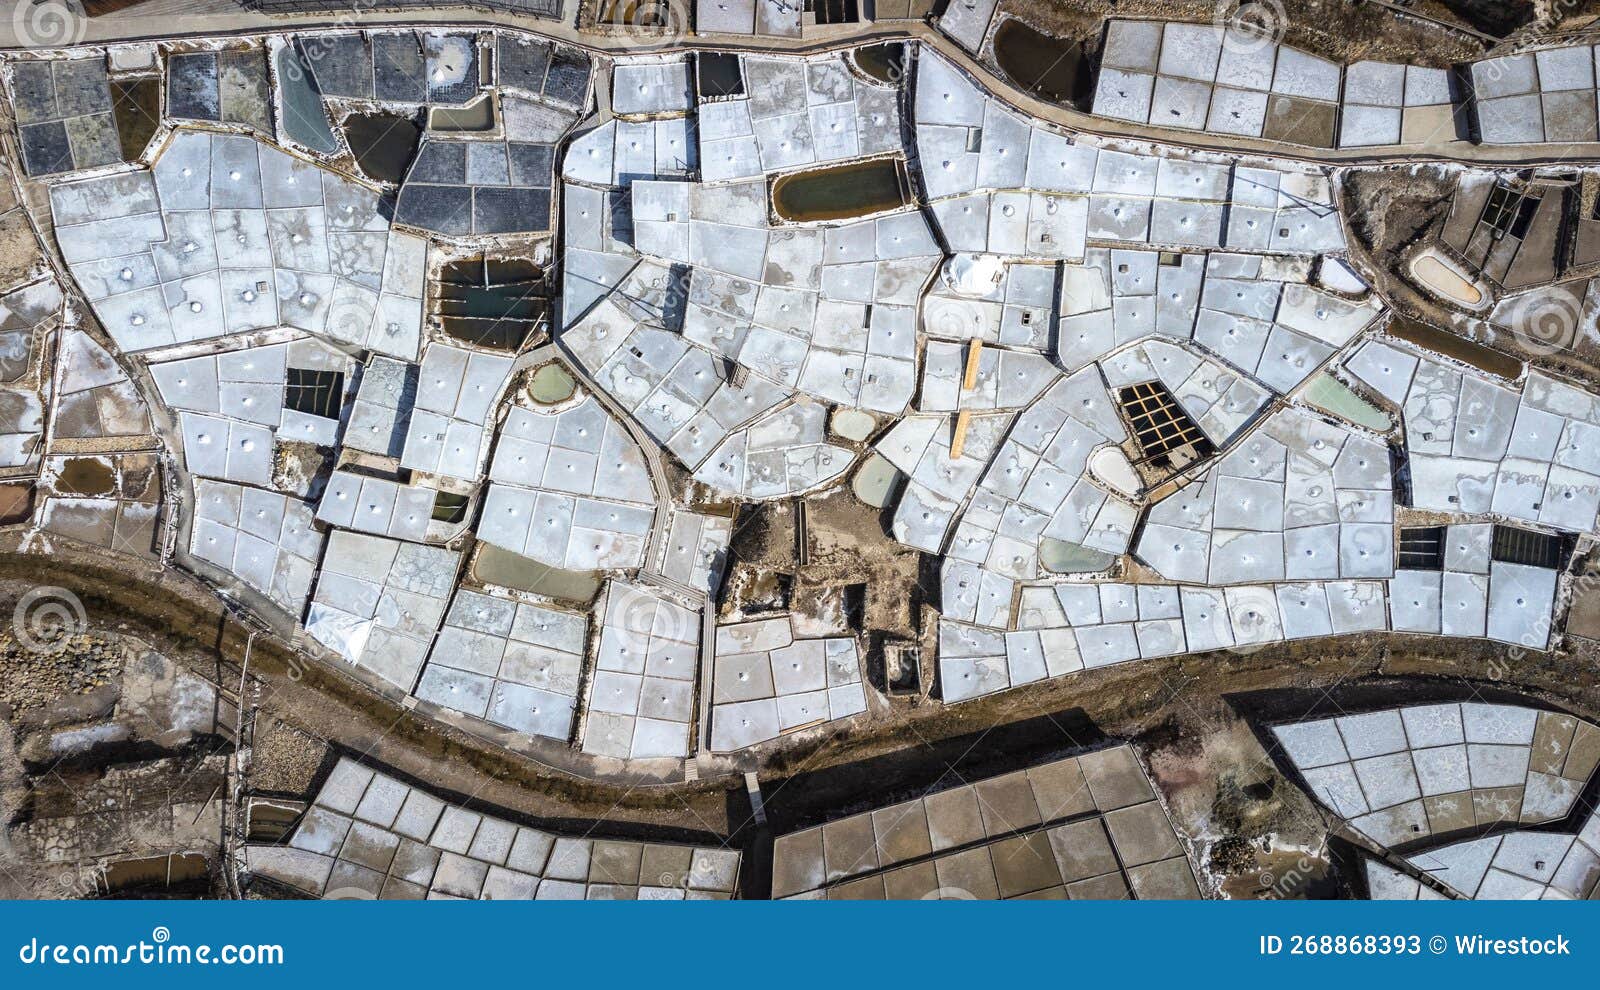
x=645, y=23
x=1545, y=323
x=47, y=23
x=160, y=935
x=1250, y=25
x=45, y=617
x=645, y=619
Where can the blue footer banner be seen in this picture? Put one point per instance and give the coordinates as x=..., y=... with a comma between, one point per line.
x=813, y=945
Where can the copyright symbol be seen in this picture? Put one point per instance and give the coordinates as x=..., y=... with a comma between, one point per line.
x=1438, y=944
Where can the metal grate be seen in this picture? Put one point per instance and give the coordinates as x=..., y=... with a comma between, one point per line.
x=1509, y=211
x=1160, y=426
x=834, y=11
x=1524, y=546
x=315, y=393
x=1422, y=548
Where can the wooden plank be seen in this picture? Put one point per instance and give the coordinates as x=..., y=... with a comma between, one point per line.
x=969, y=380
x=963, y=418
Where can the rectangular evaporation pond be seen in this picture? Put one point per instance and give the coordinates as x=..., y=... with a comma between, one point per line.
x=478, y=115
x=399, y=73
x=842, y=192
x=304, y=119
x=448, y=507
x=1422, y=548
x=242, y=86
x=315, y=393
x=1053, y=69
x=1524, y=546
x=1480, y=357
x=718, y=74
x=499, y=304
x=1330, y=395
x=158, y=873
x=493, y=565
x=137, y=104
x=192, y=88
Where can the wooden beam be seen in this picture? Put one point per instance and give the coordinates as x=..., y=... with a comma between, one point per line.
x=969, y=380
x=963, y=418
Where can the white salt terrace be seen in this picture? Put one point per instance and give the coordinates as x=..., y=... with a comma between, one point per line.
x=376, y=505
x=1403, y=775
x=516, y=664
x=1052, y=195
x=369, y=835
x=733, y=337
x=741, y=438
x=248, y=385
x=379, y=602
x=1258, y=314
x=570, y=488
x=767, y=682
x=1037, y=486
x=641, y=697
x=457, y=394
x=1478, y=447
x=1518, y=866
x=1224, y=80
x=798, y=113
x=1299, y=499
x=1067, y=627
x=793, y=304
x=265, y=539
x=227, y=234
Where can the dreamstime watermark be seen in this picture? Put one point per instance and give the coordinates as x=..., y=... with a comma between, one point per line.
x=1291, y=881
x=1250, y=25
x=47, y=23
x=45, y=617
x=1495, y=69
x=160, y=950
x=84, y=882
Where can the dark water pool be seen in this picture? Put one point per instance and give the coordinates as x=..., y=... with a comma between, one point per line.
x=498, y=304
x=885, y=63
x=137, y=104
x=840, y=192
x=1052, y=69
x=90, y=477
x=383, y=144
x=718, y=74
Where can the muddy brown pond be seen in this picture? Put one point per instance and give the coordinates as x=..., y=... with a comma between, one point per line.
x=1050, y=68
x=842, y=191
